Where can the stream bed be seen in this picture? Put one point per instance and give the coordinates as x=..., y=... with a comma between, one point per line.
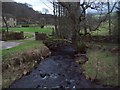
x=57, y=71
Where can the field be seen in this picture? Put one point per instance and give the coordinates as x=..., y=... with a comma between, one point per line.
x=29, y=31
x=46, y=30
x=103, y=30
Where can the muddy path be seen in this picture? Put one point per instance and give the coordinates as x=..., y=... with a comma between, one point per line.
x=57, y=71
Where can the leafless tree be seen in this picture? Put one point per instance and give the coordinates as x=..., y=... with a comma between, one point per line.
x=77, y=13
x=109, y=16
x=5, y=22
x=74, y=12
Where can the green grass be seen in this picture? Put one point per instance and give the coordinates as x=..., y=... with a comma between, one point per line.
x=105, y=62
x=28, y=35
x=102, y=30
x=15, y=72
x=33, y=29
x=0, y=29
x=30, y=30
x=25, y=45
x=46, y=29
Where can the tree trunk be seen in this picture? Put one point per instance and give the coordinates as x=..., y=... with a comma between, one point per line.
x=75, y=34
x=55, y=18
x=74, y=39
x=109, y=19
x=74, y=13
x=85, y=26
x=118, y=25
x=4, y=20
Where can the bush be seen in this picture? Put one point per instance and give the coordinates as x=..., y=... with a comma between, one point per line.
x=12, y=35
x=82, y=47
x=40, y=36
x=25, y=25
x=42, y=26
x=54, y=44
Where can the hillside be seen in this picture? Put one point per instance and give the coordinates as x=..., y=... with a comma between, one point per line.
x=24, y=12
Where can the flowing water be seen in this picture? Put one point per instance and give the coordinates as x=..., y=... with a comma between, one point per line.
x=57, y=71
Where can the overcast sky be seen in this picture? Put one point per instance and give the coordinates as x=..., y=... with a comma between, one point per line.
x=38, y=4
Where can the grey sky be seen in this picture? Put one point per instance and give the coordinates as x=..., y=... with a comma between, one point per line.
x=38, y=5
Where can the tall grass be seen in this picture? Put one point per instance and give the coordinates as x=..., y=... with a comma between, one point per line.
x=102, y=63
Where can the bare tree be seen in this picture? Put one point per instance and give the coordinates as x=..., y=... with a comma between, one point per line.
x=74, y=12
x=109, y=18
x=104, y=17
x=5, y=22
x=118, y=22
x=77, y=13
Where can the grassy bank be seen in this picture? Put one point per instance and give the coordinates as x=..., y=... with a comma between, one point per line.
x=25, y=45
x=20, y=60
x=102, y=64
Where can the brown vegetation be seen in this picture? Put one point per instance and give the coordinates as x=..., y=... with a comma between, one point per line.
x=22, y=64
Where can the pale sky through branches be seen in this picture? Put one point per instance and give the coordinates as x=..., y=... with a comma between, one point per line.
x=38, y=5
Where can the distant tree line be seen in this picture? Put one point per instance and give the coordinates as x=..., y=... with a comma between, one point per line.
x=25, y=13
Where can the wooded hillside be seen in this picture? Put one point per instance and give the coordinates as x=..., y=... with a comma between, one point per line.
x=25, y=13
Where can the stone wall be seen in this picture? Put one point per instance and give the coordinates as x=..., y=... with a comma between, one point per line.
x=12, y=35
x=40, y=36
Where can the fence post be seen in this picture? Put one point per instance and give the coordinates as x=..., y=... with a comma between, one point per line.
x=36, y=35
x=22, y=35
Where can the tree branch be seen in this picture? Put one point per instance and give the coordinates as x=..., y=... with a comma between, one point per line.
x=105, y=17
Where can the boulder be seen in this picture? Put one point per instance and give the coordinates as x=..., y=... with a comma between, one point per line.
x=40, y=36
x=60, y=46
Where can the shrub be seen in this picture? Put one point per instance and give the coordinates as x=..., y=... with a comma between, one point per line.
x=42, y=26
x=40, y=36
x=12, y=35
x=82, y=47
x=55, y=44
x=25, y=25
